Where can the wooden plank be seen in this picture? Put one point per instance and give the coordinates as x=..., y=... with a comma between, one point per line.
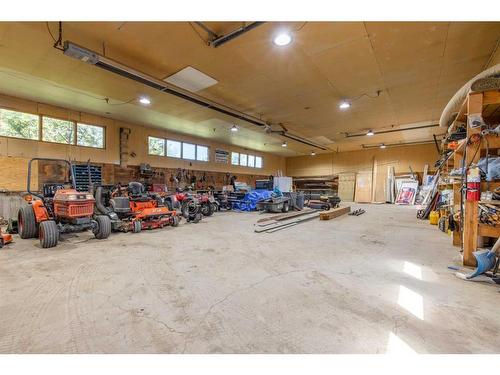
x=474, y=106
x=491, y=97
x=488, y=230
x=334, y=212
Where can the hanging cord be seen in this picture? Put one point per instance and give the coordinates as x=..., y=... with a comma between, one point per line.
x=57, y=42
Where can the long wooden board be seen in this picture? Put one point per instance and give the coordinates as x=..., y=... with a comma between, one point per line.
x=334, y=212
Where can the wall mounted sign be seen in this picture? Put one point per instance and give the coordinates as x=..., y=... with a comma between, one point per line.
x=221, y=156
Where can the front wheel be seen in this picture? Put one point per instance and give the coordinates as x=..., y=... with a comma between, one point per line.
x=175, y=221
x=286, y=207
x=103, y=229
x=136, y=226
x=26, y=222
x=49, y=234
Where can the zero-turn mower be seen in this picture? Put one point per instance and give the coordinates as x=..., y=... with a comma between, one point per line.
x=131, y=208
x=58, y=209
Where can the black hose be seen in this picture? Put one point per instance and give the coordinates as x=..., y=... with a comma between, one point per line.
x=98, y=202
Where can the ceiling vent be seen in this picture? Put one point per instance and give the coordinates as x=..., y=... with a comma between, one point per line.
x=191, y=79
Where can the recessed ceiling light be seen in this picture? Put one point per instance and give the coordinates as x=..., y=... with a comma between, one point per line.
x=284, y=144
x=370, y=133
x=282, y=39
x=144, y=100
x=234, y=128
x=313, y=153
x=344, y=104
x=382, y=145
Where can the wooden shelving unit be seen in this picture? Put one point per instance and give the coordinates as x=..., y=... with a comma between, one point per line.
x=488, y=105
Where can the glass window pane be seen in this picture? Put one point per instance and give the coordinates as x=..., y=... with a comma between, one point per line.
x=18, y=124
x=258, y=162
x=188, y=151
x=59, y=131
x=251, y=161
x=235, y=158
x=156, y=146
x=243, y=159
x=201, y=153
x=90, y=135
x=173, y=149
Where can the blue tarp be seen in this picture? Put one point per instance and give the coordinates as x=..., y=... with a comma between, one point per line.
x=249, y=201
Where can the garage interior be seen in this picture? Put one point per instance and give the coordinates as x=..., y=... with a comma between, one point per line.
x=249, y=187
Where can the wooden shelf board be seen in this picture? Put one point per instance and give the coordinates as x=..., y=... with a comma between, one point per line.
x=486, y=230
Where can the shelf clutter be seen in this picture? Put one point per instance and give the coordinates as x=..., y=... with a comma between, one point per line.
x=466, y=191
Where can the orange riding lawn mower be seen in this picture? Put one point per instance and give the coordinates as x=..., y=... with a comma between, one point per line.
x=59, y=209
x=132, y=208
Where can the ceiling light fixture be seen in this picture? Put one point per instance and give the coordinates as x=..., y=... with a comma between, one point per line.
x=144, y=100
x=370, y=133
x=313, y=153
x=282, y=39
x=382, y=145
x=284, y=144
x=344, y=104
x=234, y=128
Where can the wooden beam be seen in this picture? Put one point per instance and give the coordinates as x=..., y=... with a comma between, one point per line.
x=491, y=97
x=474, y=106
x=334, y=212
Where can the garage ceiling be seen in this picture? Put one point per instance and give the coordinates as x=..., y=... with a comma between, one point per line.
x=417, y=66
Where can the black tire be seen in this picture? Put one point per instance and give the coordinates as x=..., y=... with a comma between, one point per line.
x=175, y=221
x=136, y=226
x=197, y=218
x=215, y=207
x=1, y=243
x=286, y=207
x=49, y=234
x=207, y=209
x=169, y=205
x=103, y=229
x=26, y=222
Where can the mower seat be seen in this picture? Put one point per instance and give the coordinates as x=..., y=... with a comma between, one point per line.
x=120, y=204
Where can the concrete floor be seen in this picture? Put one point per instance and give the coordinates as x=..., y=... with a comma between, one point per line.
x=375, y=283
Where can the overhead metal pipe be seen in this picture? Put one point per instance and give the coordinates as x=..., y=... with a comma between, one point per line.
x=220, y=40
x=397, y=144
x=392, y=130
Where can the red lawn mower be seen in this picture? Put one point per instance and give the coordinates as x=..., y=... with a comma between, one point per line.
x=189, y=205
x=60, y=208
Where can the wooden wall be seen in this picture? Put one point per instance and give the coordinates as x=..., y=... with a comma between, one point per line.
x=15, y=153
x=364, y=160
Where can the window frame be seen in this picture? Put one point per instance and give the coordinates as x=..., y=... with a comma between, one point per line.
x=238, y=157
x=246, y=160
x=39, y=139
x=164, y=146
x=104, y=137
x=261, y=162
x=60, y=119
x=190, y=144
x=208, y=153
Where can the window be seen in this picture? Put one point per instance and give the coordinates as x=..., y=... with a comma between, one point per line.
x=258, y=162
x=90, y=135
x=18, y=124
x=188, y=151
x=58, y=131
x=251, y=161
x=156, y=146
x=173, y=149
x=235, y=158
x=201, y=153
x=243, y=160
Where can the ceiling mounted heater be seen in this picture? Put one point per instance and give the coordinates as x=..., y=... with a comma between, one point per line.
x=85, y=55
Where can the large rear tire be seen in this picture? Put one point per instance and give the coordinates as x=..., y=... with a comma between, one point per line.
x=103, y=229
x=49, y=234
x=26, y=222
x=207, y=209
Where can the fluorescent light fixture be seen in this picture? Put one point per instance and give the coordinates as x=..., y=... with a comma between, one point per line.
x=382, y=145
x=344, y=104
x=234, y=128
x=284, y=144
x=282, y=39
x=313, y=153
x=144, y=100
x=370, y=133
